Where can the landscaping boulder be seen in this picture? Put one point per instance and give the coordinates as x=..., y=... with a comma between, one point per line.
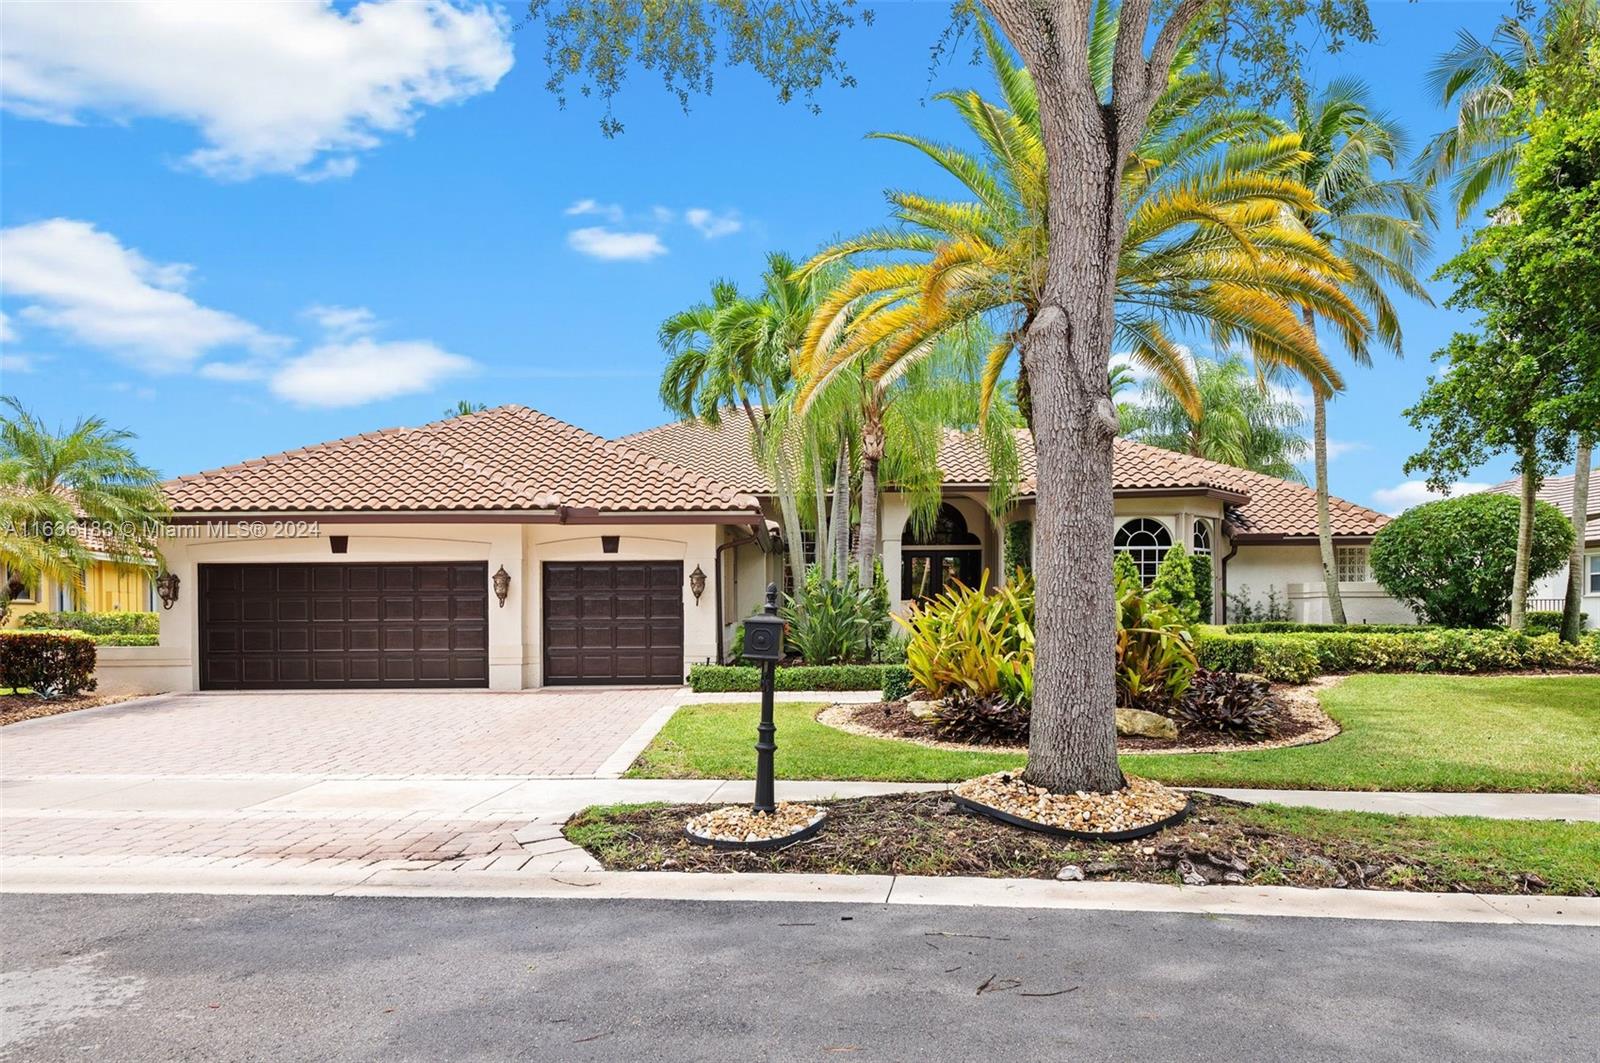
x=1136, y=723
x=922, y=710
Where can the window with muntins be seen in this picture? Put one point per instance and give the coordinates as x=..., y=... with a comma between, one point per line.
x=935, y=558
x=1202, y=538
x=1350, y=562
x=1594, y=573
x=1146, y=541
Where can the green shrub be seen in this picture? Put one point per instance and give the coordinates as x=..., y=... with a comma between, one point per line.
x=1298, y=657
x=1019, y=546
x=717, y=678
x=114, y=623
x=830, y=620
x=1123, y=569
x=1201, y=564
x=1175, y=585
x=1452, y=561
x=974, y=643
x=1246, y=610
x=896, y=683
x=49, y=663
x=1155, y=648
x=1548, y=622
x=127, y=640
x=880, y=622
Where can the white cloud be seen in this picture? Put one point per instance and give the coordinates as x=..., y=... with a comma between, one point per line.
x=83, y=282
x=663, y=215
x=713, y=225
x=1338, y=448
x=1410, y=493
x=609, y=211
x=342, y=322
x=599, y=242
x=364, y=370
x=283, y=88
x=7, y=333
x=15, y=363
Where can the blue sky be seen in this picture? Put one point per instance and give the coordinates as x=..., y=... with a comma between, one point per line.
x=271, y=226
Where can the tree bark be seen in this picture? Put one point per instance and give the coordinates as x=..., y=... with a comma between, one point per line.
x=822, y=543
x=840, y=520
x=1519, y=577
x=1572, y=608
x=872, y=445
x=1330, y=564
x=1066, y=350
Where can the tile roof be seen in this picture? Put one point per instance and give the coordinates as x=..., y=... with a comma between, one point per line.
x=1263, y=507
x=507, y=458
x=1557, y=491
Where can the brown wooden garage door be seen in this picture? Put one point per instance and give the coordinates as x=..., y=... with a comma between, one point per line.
x=620, y=622
x=344, y=625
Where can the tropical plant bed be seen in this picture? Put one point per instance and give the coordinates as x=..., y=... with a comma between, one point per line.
x=1298, y=720
x=1220, y=842
x=14, y=708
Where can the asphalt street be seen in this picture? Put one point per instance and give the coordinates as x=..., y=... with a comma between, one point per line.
x=284, y=978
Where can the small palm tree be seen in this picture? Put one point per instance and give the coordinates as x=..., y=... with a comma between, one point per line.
x=1488, y=84
x=49, y=480
x=1378, y=225
x=1211, y=243
x=465, y=408
x=1240, y=423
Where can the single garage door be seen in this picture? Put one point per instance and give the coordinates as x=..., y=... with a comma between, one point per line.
x=618, y=622
x=344, y=625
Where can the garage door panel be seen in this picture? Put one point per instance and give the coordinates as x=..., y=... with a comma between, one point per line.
x=318, y=625
x=613, y=622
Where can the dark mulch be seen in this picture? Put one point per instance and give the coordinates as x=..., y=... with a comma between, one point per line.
x=1222, y=842
x=893, y=719
x=14, y=708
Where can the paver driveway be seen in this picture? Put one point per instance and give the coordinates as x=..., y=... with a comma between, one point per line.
x=384, y=733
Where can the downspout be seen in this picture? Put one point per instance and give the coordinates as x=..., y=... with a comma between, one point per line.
x=1222, y=567
x=730, y=544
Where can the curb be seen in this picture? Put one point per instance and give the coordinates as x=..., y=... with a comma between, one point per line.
x=1270, y=901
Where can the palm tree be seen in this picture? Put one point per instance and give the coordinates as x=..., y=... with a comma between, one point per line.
x=1211, y=242
x=51, y=480
x=1378, y=225
x=1494, y=86
x=1241, y=423
x=736, y=352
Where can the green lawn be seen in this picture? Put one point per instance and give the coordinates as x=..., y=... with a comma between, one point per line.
x=1401, y=732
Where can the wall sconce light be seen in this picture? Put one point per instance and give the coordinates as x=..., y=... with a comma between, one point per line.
x=697, y=583
x=167, y=588
x=502, y=584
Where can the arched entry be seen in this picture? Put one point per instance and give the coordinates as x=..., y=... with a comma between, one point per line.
x=939, y=557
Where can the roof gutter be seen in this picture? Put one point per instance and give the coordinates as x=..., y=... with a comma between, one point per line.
x=561, y=515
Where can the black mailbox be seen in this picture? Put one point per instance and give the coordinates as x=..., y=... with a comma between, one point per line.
x=763, y=633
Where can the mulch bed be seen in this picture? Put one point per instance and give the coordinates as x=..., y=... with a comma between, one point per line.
x=14, y=708
x=894, y=719
x=1221, y=842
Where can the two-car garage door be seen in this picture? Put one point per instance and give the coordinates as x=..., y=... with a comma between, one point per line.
x=308, y=626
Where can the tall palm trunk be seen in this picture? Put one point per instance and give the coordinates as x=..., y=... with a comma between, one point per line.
x=788, y=504
x=822, y=544
x=1519, y=577
x=1319, y=444
x=1572, y=608
x=840, y=520
x=872, y=447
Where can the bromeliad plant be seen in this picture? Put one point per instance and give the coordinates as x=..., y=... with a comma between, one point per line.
x=971, y=644
x=1155, y=648
x=830, y=620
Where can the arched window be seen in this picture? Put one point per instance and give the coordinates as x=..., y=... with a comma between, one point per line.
x=1202, y=539
x=933, y=558
x=1147, y=542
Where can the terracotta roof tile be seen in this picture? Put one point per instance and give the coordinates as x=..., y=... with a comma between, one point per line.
x=509, y=457
x=1263, y=506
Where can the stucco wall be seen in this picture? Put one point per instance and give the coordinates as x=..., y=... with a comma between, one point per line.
x=1295, y=571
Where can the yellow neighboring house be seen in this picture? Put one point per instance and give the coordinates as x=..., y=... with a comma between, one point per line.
x=108, y=587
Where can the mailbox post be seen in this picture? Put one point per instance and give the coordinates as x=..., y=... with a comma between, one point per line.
x=763, y=641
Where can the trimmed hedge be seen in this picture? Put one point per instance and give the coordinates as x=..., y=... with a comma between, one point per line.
x=127, y=640
x=896, y=683
x=720, y=678
x=49, y=663
x=1548, y=622
x=112, y=623
x=1282, y=627
x=1298, y=657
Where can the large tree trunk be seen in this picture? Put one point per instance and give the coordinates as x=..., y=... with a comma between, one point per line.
x=1330, y=564
x=1519, y=577
x=1066, y=350
x=872, y=444
x=1572, y=608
